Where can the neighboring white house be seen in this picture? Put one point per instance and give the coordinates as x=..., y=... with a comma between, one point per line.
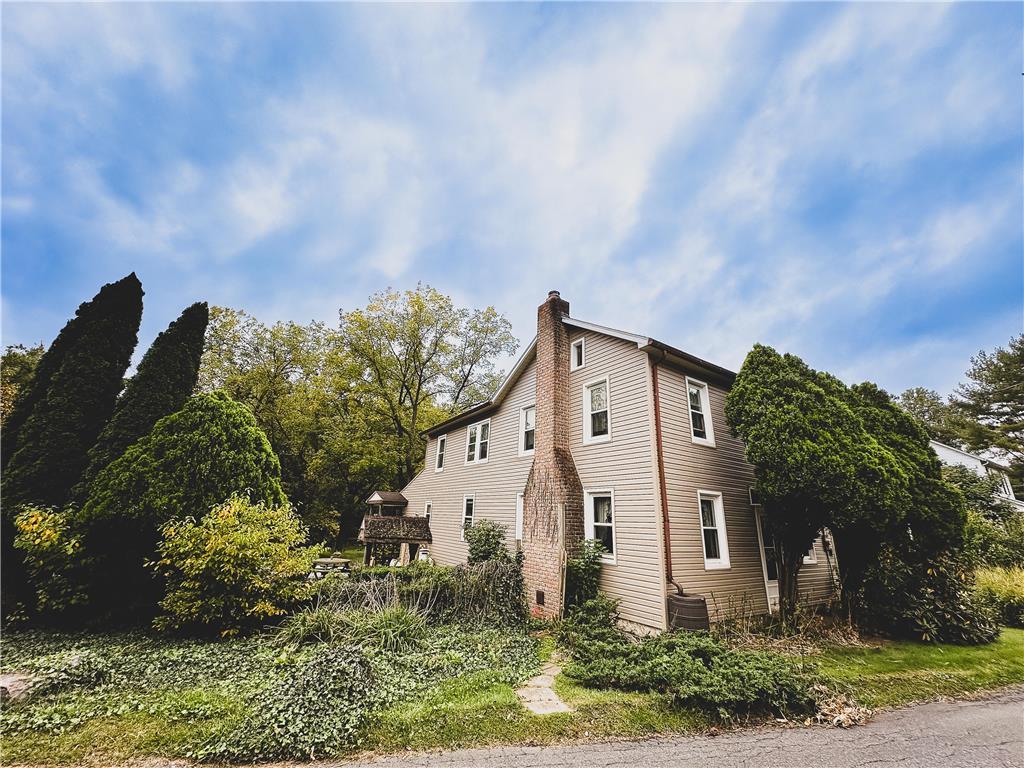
x=951, y=456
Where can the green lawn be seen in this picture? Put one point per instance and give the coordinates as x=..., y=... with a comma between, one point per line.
x=901, y=672
x=474, y=709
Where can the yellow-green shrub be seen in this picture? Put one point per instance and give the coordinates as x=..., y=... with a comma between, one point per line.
x=237, y=567
x=1003, y=588
x=51, y=551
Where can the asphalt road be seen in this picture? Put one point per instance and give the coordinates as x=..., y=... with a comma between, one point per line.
x=987, y=733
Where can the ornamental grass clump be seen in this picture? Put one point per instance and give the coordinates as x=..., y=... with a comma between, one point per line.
x=692, y=668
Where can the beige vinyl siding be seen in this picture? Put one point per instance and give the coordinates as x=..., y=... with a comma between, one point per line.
x=625, y=465
x=494, y=484
x=816, y=582
x=691, y=467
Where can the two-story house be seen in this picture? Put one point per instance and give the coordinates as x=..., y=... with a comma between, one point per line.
x=613, y=436
x=979, y=465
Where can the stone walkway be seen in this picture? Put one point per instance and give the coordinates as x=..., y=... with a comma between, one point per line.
x=538, y=695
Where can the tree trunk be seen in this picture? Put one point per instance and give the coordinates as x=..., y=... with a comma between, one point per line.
x=789, y=567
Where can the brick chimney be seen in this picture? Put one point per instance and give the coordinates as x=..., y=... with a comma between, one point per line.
x=553, y=499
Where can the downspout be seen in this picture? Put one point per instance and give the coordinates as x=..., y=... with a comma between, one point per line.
x=666, y=529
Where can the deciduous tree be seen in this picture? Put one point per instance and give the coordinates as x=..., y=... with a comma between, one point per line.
x=17, y=370
x=420, y=357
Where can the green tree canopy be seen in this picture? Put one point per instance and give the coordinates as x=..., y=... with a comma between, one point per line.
x=191, y=461
x=942, y=420
x=816, y=464
x=303, y=390
x=934, y=513
x=419, y=358
x=80, y=396
x=165, y=379
x=17, y=370
x=993, y=399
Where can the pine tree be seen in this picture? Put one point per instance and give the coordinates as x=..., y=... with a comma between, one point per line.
x=162, y=384
x=81, y=395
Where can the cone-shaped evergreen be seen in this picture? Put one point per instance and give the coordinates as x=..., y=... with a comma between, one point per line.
x=82, y=393
x=162, y=384
x=49, y=364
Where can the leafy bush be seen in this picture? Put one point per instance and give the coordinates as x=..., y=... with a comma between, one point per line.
x=486, y=541
x=583, y=573
x=317, y=708
x=190, y=461
x=693, y=668
x=996, y=541
x=933, y=602
x=51, y=550
x=596, y=619
x=240, y=565
x=1003, y=589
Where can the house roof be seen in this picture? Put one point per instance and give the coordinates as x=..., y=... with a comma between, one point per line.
x=658, y=349
x=387, y=497
x=388, y=529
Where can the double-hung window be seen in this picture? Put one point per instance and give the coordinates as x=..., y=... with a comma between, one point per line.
x=712, y=528
x=527, y=429
x=467, y=515
x=477, y=438
x=439, y=460
x=599, y=523
x=426, y=510
x=597, y=414
x=701, y=429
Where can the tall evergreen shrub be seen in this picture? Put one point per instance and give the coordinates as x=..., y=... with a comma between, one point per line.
x=65, y=422
x=165, y=380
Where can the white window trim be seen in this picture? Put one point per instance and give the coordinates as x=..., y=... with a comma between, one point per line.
x=442, y=439
x=582, y=343
x=722, y=562
x=520, y=513
x=427, y=509
x=476, y=446
x=522, y=429
x=588, y=521
x=588, y=439
x=462, y=518
x=811, y=558
x=705, y=404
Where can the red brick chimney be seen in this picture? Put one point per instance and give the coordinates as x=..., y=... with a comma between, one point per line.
x=553, y=499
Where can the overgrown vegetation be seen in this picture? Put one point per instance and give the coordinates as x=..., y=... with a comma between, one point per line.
x=1003, y=590
x=692, y=668
x=240, y=566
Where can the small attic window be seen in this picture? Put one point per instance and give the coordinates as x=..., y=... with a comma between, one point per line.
x=579, y=354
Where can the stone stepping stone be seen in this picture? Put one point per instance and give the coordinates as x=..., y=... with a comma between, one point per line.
x=538, y=695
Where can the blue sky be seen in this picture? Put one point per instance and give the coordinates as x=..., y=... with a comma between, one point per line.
x=843, y=182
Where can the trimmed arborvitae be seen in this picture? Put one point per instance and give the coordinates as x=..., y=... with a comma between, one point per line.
x=81, y=395
x=191, y=461
x=165, y=380
x=49, y=364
